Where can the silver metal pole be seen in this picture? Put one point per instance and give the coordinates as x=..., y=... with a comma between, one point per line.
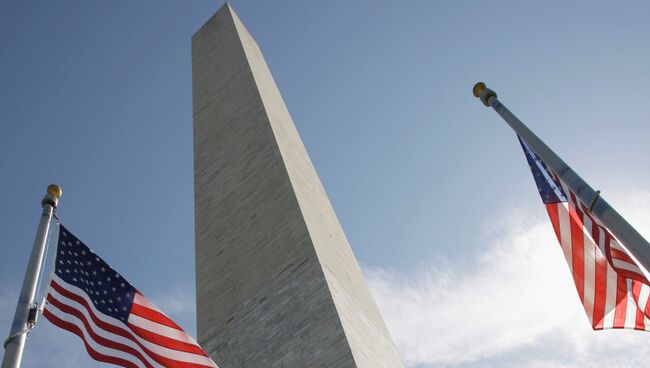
x=26, y=310
x=616, y=224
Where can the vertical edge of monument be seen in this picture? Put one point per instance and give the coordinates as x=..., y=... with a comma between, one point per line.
x=265, y=229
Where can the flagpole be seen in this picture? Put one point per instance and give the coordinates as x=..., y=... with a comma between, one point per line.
x=26, y=310
x=618, y=226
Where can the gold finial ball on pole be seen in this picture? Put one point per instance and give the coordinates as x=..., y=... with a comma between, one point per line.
x=55, y=190
x=485, y=94
x=478, y=88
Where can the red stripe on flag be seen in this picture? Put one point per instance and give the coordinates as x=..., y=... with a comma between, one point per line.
x=153, y=316
x=621, y=303
x=636, y=292
x=93, y=353
x=639, y=323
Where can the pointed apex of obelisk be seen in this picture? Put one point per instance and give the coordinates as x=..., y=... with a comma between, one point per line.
x=227, y=7
x=232, y=10
x=224, y=13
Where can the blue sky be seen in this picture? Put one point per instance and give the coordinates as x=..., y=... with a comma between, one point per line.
x=430, y=186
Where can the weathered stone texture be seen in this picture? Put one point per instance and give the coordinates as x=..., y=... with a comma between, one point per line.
x=277, y=283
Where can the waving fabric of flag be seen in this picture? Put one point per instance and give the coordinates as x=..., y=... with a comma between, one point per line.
x=117, y=324
x=613, y=289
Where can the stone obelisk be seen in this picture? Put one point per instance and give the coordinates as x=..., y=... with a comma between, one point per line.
x=276, y=281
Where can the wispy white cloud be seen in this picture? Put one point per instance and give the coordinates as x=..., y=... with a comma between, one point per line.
x=514, y=304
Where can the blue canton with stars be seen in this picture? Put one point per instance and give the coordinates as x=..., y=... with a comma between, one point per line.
x=549, y=188
x=77, y=265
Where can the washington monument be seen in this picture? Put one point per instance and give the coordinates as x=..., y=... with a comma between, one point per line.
x=277, y=283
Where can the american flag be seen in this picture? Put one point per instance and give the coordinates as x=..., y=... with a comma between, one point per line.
x=612, y=288
x=116, y=323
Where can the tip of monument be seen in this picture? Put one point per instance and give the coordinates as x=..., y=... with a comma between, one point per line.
x=226, y=8
x=227, y=5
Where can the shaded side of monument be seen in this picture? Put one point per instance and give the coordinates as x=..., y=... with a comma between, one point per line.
x=276, y=281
